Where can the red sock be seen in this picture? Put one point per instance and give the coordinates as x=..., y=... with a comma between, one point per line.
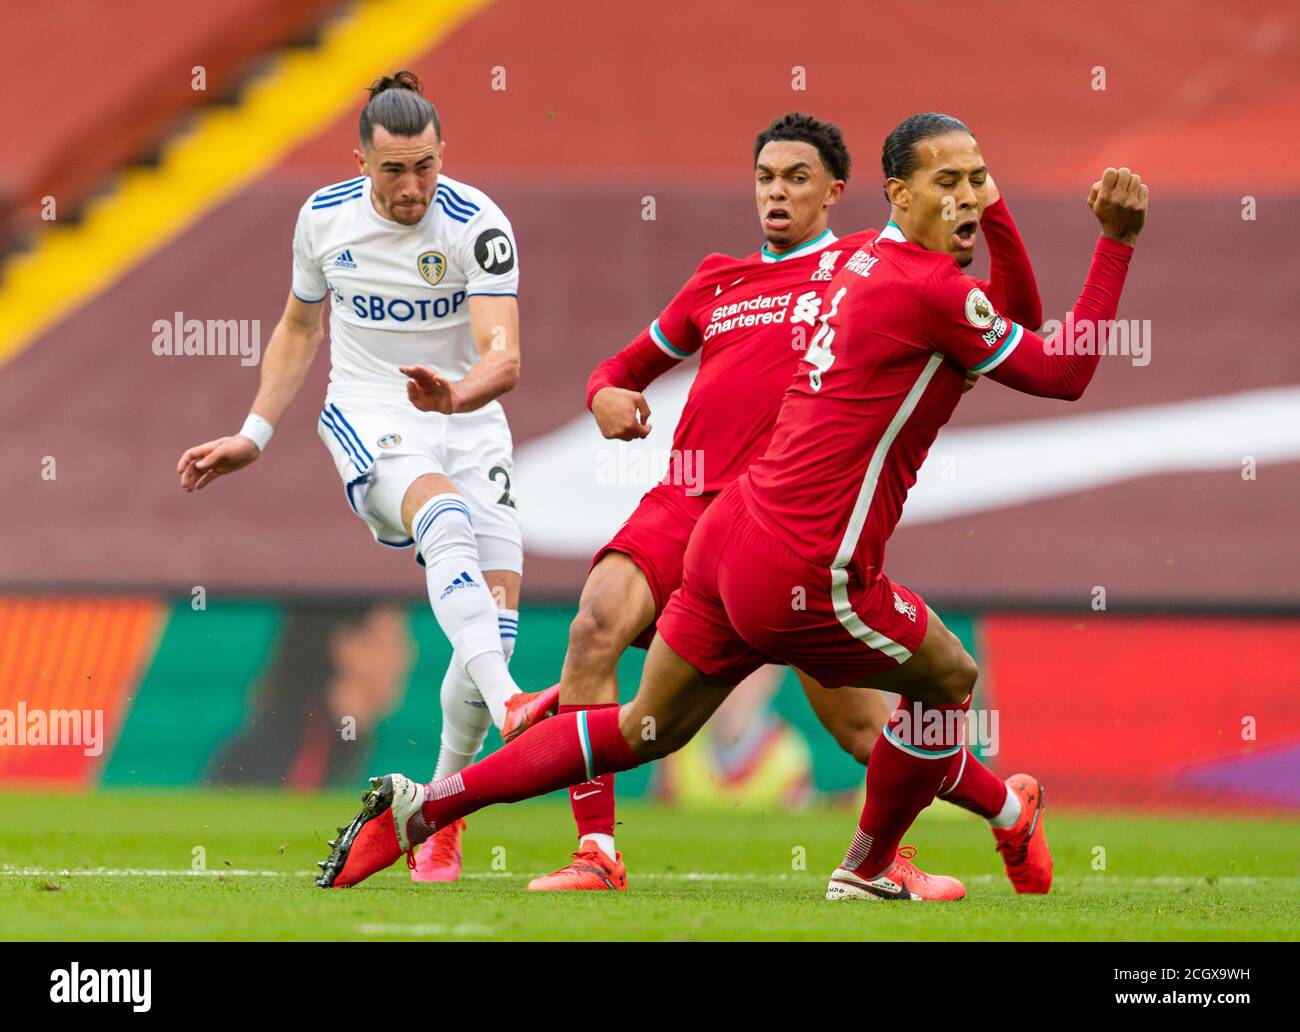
x=972, y=786
x=554, y=754
x=906, y=768
x=593, y=801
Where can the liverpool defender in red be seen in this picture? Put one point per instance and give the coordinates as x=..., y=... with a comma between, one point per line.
x=749, y=319
x=786, y=565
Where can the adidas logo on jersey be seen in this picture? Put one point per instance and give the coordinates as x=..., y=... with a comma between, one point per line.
x=344, y=261
x=463, y=580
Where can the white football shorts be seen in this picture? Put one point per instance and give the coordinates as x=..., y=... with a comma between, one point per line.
x=380, y=448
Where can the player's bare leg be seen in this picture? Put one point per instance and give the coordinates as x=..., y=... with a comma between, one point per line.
x=940, y=673
x=615, y=607
x=671, y=705
x=854, y=716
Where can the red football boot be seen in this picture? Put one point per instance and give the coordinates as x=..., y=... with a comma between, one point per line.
x=904, y=880
x=527, y=708
x=438, y=860
x=590, y=870
x=390, y=823
x=1024, y=845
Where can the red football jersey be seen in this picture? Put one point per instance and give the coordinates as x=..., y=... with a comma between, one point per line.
x=900, y=327
x=751, y=318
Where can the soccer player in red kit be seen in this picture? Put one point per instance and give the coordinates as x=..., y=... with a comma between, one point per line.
x=786, y=565
x=749, y=319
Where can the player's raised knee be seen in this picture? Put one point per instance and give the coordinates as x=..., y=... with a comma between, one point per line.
x=860, y=739
x=595, y=633
x=958, y=679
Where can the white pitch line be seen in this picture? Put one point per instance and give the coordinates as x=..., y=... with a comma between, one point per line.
x=140, y=872
x=1089, y=881
x=425, y=929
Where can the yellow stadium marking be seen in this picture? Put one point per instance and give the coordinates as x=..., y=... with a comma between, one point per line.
x=304, y=92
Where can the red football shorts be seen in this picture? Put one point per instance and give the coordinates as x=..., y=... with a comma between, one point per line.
x=748, y=599
x=654, y=537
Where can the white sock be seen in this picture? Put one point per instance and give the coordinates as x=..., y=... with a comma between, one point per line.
x=465, y=716
x=1009, y=814
x=508, y=626
x=494, y=683
x=461, y=601
x=465, y=721
x=486, y=669
x=605, y=842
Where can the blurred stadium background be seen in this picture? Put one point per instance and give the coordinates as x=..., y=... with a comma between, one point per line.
x=224, y=636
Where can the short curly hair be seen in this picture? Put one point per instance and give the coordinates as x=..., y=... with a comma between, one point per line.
x=825, y=136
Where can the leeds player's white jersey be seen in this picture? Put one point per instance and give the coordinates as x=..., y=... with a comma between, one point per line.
x=399, y=294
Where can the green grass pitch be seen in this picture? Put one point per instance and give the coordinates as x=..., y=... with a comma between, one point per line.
x=115, y=865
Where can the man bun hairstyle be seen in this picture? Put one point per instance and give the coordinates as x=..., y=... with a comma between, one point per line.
x=899, y=158
x=825, y=136
x=397, y=103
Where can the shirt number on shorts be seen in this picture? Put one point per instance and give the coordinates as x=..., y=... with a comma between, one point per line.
x=819, y=351
x=505, y=498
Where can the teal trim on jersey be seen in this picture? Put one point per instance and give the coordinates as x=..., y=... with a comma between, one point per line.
x=800, y=250
x=1008, y=345
x=892, y=231
x=665, y=343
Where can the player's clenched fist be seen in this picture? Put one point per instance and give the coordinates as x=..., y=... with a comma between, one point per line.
x=1119, y=200
x=203, y=463
x=622, y=415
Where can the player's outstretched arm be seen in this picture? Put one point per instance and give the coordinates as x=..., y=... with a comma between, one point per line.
x=964, y=324
x=1012, y=286
x=293, y=345
x=1054, y=368
x=494, y=321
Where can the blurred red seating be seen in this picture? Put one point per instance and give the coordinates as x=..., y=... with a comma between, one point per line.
x=91, y=86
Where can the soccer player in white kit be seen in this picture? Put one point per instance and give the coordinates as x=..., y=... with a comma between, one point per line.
x=420, y=269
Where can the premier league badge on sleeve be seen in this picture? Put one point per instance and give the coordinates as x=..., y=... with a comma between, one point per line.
x=979, y=309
